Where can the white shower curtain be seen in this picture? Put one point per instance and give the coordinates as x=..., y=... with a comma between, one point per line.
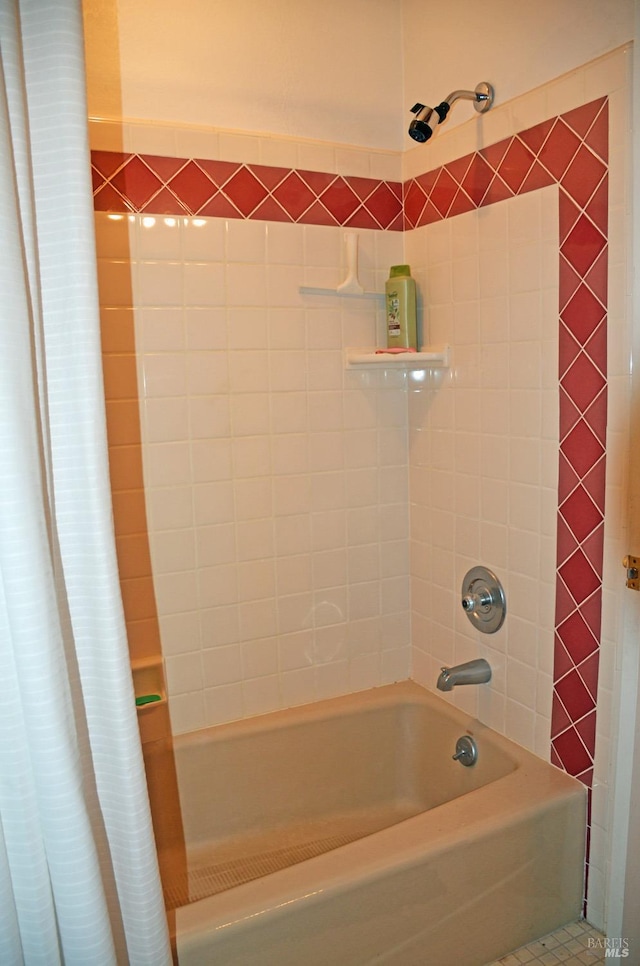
x=79, y=877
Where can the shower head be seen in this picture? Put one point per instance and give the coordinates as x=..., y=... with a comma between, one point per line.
x=427, y=119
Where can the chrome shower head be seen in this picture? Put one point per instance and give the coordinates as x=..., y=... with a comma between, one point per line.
x=427, y=119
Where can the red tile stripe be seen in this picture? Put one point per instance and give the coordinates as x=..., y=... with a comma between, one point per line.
x=221, y=189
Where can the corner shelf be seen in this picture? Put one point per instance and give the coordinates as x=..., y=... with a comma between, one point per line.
x=430, y=357
x=314, y=290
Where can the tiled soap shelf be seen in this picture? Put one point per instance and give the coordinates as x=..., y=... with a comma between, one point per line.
x=430, y=357
x=148, y=683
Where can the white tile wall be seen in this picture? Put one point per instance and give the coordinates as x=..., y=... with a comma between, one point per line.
x=269, y=469
x=483, y=462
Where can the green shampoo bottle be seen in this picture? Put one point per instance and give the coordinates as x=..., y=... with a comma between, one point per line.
x=400, y=291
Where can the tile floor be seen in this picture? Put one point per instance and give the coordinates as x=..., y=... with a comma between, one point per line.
x=568, y=945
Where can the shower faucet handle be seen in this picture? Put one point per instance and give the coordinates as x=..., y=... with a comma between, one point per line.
x=483, y=600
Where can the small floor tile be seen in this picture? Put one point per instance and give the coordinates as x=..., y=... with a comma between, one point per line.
x=570, y=946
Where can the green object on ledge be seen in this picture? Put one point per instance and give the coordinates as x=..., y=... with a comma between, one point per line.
x=147, y=699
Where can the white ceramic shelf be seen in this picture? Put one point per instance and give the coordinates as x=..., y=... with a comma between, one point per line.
x=314, y=290
x=430, y=357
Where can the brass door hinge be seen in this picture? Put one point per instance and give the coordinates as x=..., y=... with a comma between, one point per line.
x=632, y=565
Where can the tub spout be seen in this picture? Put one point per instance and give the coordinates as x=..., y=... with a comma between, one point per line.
x=473, y=672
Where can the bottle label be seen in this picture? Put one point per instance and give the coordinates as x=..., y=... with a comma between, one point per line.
x=393, y=315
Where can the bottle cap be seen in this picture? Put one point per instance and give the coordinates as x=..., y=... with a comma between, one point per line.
x=397, y=270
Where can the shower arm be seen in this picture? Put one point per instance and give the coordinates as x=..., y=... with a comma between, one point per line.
x=479, y=97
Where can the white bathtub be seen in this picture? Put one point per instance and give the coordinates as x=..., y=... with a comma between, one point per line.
x=430, y=863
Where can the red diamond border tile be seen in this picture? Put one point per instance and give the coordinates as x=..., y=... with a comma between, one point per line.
x=223, y=189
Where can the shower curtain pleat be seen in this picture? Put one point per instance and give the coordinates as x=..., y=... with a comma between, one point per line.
x=79, y=879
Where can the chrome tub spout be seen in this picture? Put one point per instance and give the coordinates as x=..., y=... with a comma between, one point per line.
x=473, y=672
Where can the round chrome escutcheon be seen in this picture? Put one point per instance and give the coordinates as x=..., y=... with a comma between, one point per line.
x=483, y=600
